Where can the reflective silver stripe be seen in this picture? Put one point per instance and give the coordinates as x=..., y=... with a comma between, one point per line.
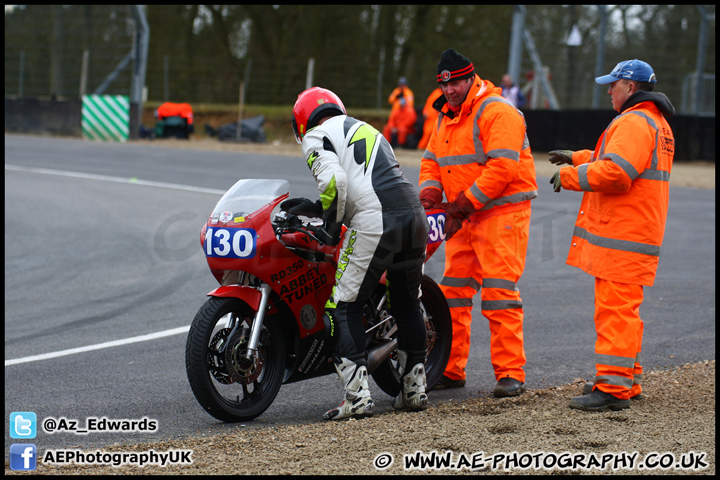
x=499, y=283
x=622, y=163
x=428, y=155
x=637, y=358
x=637, y=379
x=514, y=198
x=431, y=183
x=614, y=244
x=459, y=302
x=459, y=282
x=614, y=380
x=582, y=178
x=500, y=304
x=479, y=195
x=504, y=153
x=602, y=145
x=615, y=361
x=659, y=175
x=466, y=159
x=647, y=118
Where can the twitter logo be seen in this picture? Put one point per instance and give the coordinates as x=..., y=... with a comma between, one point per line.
x=23, y=425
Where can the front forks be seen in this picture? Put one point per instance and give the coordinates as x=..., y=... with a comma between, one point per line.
x=250, y=353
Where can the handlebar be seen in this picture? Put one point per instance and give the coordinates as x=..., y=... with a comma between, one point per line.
x=286, y=223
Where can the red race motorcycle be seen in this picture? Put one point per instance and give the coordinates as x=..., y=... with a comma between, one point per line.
x=264, y=325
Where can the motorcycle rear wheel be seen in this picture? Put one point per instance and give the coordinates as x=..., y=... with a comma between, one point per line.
x=225, y=387
x=439, y=333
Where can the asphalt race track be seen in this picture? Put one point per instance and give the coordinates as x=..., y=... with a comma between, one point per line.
x=102, y=245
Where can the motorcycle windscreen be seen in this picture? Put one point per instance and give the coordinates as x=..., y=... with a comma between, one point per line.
x=249, y=195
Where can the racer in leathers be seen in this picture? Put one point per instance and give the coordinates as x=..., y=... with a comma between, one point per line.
x=361, y=186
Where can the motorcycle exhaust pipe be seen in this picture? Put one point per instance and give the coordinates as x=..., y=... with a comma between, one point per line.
x=378, y=353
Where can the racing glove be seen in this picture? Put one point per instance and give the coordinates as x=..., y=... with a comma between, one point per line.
x=303, y=206
x=329, y=234
x=561, y=157
x=556, y=182
x=430, y=197
x=456, y=213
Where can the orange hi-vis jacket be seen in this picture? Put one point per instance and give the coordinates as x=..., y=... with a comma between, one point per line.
x=483, y=151
x=394, y=98
x=621, y=223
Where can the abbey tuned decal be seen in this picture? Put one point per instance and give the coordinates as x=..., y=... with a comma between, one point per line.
x=305, y=284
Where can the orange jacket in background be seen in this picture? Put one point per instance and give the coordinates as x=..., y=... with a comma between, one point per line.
x=480, y=157
x=394, y=98
x=431, y=116
x=621, y=223
x=169, y=109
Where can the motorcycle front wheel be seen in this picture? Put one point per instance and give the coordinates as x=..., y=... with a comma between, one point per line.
x=439, y=342
x=227, y=386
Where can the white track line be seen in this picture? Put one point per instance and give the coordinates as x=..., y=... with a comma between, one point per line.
x=106, y=178
x=99, y=346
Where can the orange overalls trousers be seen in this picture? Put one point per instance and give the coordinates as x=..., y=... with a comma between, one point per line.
x=488, y=256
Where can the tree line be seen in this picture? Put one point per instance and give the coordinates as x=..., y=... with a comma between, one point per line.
x=202, y=53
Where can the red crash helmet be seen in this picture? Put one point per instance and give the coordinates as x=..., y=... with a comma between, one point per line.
x=312, y=105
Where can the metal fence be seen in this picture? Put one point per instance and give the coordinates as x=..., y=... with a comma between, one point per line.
x=57, y=51
x=62, y=51
x=675, y=51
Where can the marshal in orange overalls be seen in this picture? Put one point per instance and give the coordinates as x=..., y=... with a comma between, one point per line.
x=483, y=151
x=619, y=231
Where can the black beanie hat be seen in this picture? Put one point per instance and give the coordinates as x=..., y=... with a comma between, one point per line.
x=454, y=66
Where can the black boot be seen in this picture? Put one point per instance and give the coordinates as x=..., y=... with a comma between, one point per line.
x=508, y=387
x=587, y=389
x=598, y=401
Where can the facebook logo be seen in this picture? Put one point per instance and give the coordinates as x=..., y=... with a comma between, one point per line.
x=23, y=456
x=23, y=425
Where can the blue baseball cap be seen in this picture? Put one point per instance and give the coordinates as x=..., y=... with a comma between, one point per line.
x=629, y=70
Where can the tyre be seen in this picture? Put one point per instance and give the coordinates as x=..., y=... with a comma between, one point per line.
x=439, y=342
x=227, y=387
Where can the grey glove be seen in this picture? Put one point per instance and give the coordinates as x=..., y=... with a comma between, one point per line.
x=556, y=182
x=561, y=157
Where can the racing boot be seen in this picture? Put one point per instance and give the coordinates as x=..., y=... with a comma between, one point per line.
x=356, y=395
x=412, y=396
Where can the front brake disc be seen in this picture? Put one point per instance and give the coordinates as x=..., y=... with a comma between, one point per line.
x=239, y=370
